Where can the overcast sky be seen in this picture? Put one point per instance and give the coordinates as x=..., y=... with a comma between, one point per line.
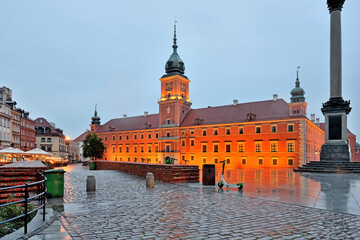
x=61, y=58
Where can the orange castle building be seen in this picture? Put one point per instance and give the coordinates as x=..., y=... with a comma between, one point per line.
x=269, y=134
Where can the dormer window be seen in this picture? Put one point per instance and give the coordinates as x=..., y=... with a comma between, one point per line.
x=250, y=116
x=198, y=120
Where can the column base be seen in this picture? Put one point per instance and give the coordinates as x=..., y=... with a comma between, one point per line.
x=335, y=153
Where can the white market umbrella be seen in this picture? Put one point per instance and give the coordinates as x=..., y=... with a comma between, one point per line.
x=37, y=151
x=11, y=150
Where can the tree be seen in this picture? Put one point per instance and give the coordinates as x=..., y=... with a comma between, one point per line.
x=93, y=147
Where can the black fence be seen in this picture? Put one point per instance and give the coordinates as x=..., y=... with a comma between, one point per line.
x=39, y=195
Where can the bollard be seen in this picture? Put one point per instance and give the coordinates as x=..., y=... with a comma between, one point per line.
x=150, y=180
x=90, y=184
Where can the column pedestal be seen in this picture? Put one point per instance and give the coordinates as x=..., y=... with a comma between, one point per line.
x=335, y=148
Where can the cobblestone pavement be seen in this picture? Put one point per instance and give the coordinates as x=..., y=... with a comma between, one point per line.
x=122, y=208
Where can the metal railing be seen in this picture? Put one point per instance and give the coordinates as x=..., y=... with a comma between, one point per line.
x=40, y=196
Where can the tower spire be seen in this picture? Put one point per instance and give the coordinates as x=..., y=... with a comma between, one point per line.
x=95, y=119
x=175, y=66
x=297, y=83
x=175, y=45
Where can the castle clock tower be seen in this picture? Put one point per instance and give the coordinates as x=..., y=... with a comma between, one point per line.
x=174, y=104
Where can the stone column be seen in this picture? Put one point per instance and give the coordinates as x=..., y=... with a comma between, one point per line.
x=336, y=109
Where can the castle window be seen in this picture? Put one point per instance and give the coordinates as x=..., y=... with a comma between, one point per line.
x=135, y=149
x=192, y=157
x=113, y=149
x=119, y=137
x=120, y=149
x=113, y=137
x=241, y=147
x=241, y=130
x=127, y=149
x=291, y=146
x=104, y=139
x=228, y=147
x=156, y=135
x=149, y=148
x=258, y=129
x=142, y=136
x=215, y=132
x=258, y=147
x=167, y=148
x=183, y=133
x=168, y=121
x=167, y=134
x=183, y=143
x=192, y=132
x=274, y=146
x=243, y=160
x=216, y=147
x=149, y=135
x=274, y=161
x=273, y=129
x=204, y=132
x=228, y=160
x=156, y=148
x=192, y=142
x=290, y=161
x=228, y=131
x=260, y=161
x=135, y=137
x=290, y=128
x=216, y=160
x=142, y=149
x=203, y=147
x=127, y=137
x=204, y=159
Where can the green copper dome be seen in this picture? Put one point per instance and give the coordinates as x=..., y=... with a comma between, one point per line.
x=95, y=119
x=297, y=93
x=174, y=66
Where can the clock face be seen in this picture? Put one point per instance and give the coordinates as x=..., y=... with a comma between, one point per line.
x=182, y=87
x=169, y=86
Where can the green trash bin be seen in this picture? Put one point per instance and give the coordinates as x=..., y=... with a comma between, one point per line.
x=54, y=183
x=92, y=165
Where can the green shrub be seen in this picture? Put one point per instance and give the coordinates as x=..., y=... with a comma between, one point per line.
x=12, y=211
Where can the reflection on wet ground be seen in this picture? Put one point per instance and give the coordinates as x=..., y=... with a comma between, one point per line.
x=336, y=192
x=271, y=206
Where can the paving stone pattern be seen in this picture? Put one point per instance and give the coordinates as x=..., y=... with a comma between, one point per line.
x=123, y=208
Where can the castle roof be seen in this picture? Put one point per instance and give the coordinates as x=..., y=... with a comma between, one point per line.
x=260, y=111
x=131, y=123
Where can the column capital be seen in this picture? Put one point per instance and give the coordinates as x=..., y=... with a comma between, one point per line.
x=334, y=5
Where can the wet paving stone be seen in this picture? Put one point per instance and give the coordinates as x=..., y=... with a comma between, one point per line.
x=123, y=208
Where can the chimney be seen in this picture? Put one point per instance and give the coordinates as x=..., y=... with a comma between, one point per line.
x=124, y=116
x=317, y=120
x=275, y=97
x=146, y=113
x=235, y=102
x=313, y=117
